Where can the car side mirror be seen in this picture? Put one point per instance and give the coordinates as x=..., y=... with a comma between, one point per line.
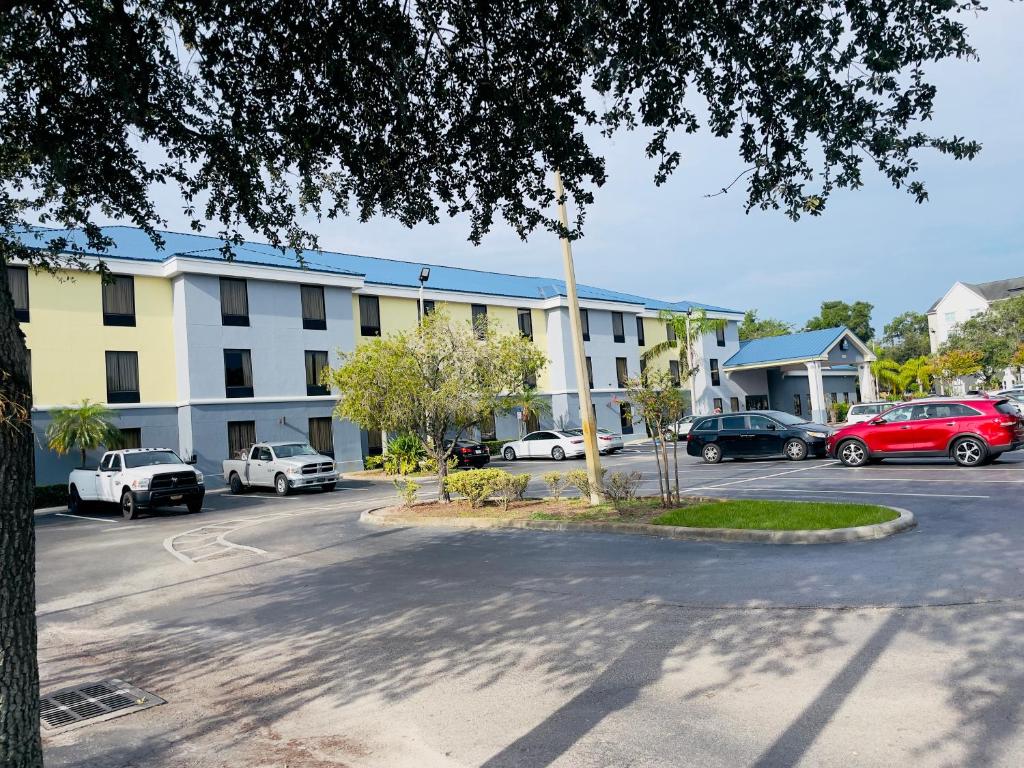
x=878, y=420
x=771, y=427
x=193, y=459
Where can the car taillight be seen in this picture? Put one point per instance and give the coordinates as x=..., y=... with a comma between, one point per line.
x=1011, y=423
x=689, y=437
x=465, y=450
x=576, y=442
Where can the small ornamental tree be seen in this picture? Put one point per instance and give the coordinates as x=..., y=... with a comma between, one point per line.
x=660, y=404
x=436, y=381
x=687, y=330
x=956, y=363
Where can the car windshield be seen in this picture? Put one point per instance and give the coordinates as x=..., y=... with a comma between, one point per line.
x=788, y=419
x=293, y=449
x=149, y=458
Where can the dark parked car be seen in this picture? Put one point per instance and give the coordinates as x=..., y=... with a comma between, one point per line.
x=755, y=434
x=971, y=430
x=471, y=454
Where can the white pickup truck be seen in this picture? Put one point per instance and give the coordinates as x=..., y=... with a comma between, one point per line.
x=137, y=479
x=281, y=466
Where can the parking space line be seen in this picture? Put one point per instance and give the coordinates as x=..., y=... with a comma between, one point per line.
x=754, y=479
x=83, y=517
x=843, y=492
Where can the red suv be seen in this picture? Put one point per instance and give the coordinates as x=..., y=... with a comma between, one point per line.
x=973, y=431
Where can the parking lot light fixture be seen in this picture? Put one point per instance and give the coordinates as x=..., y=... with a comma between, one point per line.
x=424, y=276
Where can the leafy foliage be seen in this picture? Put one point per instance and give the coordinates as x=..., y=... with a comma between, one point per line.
x=995, y=335
x=856, y=317
x=479, y=484
x=527, y=401
x=915, y=375
x=510, y=488
x=956, y=363
x=906, y=336
x=436, y=381
x=556, y=482
x=578, y=479
x=407, y=490
x=403, y=455
x=85, y=427
x=660, y=405
x=622, y=486
x=754, y=327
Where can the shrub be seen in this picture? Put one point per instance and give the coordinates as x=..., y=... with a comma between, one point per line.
x=50, y=496
x=475, y=486
x=622, y=486
x=373, y=462
x=407, y=490
x=578, y=479
x=511, y=488
x=842, y=409
x=429, y=464
x=494, y=446
x=404, y=454
x=556, y=482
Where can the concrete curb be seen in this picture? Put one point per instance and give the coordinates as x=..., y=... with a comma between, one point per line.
x=905, y=521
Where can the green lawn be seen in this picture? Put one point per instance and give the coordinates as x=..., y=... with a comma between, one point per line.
x=759, y=514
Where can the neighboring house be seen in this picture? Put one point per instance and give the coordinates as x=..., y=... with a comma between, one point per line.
x=959, y=304
x=208, y=356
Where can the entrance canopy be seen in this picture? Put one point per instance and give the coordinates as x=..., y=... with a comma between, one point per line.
x=810, y=352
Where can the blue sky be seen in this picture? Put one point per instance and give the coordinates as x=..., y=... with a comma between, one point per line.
x=875, y=244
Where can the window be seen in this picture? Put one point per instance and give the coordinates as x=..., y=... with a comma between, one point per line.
x=479, y=319
x=131, y=438
x=643, y=366
x=670, y=331
x=733, y=422
x=525, y=323
x=590, y=373
x=626, y=418
x=107, y=462
x=621, y=372
x=760, y=423
x=115, y=463
x=428, y=307
x=241, y=435
x=234, y=301
x=716, y=376
x=316, y=361
x=488, y=427
x=943, y=411
x=237, y=373
x=314, y=311
x=844, y=344
x=374, y=442
x=122, y=377
x=720, y=335
x=906, y=413
x=757, y=402
x=718, y=404
x=261, y=454
x=369, y=316
x=119, y=301
x=321, y=435
x=707, y=425
x=846, y=397
x=585, y=324
x=673, y=370
x=618, y=330
x=734, y=404
x=17, y=283
x=530, y=381
x=798, y=408
x=640, y=339
x=950, y=317
x=834, y=396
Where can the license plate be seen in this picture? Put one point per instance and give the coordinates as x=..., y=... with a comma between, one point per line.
x=179, y=497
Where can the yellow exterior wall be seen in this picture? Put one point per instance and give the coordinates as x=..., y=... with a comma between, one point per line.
x=68, y=340
x=540, y=339
x=656, y=332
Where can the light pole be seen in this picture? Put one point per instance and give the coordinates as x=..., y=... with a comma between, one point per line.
x=691, y=374
x=579, y=356
x=424, y=276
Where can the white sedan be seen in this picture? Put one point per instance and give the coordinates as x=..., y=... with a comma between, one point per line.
x=680, y=428
x=607, y=442
x=545, y=444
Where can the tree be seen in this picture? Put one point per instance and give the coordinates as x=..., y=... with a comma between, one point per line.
x=753, y=327
x=257, y=113
x=856, y=317
x=906, y=336
x=529, y=402
x=688, y=329
x=660, y=404
x=436, y=381
x=886, y=372
x=995, y=334
x=916, y=373
x=85, y=427
x=955, y=364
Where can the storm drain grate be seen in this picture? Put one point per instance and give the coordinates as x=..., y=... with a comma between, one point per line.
x=93, y=702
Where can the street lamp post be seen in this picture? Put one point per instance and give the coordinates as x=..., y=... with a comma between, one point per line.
x=579, y=356
x=424, y=276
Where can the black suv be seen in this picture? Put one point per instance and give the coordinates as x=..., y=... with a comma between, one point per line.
x=754, y=434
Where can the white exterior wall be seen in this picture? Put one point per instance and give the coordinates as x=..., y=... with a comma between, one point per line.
x=704, y=392
x=959, y=304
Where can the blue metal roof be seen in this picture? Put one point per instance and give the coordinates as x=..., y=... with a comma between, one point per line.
x=133, y=243
x=793, y=346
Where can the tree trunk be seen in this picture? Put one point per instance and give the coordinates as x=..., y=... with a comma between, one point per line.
x=442, y=473
x=664, y=460
x=19, y=676
x=82, y=453
x=675, y=462
x=656, y=433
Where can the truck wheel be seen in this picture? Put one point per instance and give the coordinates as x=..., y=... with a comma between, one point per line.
x=236, y=484
x=281, y=485
x=74, y=501
x=128, y=507
x=328, y=487
x=194, y=505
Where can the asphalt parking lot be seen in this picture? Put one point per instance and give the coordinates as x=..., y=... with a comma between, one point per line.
x=285, y=632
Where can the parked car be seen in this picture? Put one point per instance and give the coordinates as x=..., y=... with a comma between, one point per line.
x=755, y=434
x=866, y=411
x=137, y=479
x=972, y=431
x=281, y=466
x=680, y=428
x=607, y=441
x=544, y=444
x=469, y=453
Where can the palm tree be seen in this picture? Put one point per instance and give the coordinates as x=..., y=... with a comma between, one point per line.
x=886, y=372
x=529, y=402
x=687, y=328
x=85, y=427
x=916, y=371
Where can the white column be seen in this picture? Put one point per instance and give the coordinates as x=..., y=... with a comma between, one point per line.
x=867, y=383
x=819, y=412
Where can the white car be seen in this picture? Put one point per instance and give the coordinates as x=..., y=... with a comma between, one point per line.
x=860, y=412
x=544, y=444
x=680, y=428
x=607, y=442
x=281, y=466
x=137, y=479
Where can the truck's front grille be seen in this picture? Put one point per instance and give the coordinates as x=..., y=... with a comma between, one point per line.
x=316, y=469
x=173, y=480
